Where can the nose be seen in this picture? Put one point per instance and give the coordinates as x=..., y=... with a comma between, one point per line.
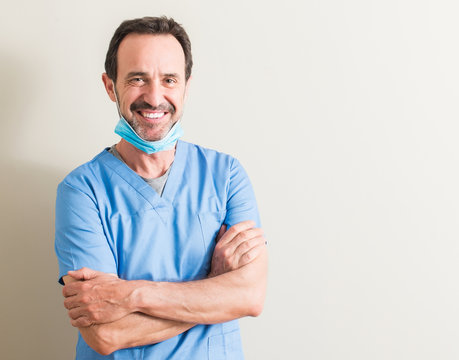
x=154, y=93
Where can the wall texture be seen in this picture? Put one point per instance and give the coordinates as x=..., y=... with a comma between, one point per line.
x=345, y=115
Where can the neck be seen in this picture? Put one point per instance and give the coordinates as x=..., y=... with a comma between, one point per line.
x=145, y=165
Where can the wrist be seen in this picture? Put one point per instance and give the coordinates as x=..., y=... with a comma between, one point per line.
x=138, y=295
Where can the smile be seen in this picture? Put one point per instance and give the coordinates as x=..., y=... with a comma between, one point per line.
x=152, y=115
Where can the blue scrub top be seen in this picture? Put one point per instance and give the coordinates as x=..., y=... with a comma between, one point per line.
x=109, y=219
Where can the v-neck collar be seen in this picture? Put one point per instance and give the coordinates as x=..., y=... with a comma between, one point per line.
x=161, y=204
x=176, y=172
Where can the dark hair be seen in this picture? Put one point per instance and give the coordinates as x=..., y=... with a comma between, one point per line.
x=147, y=25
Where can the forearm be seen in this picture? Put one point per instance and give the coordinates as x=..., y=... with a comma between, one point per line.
x=136, y=329
x=235, y=289
x=222, y=298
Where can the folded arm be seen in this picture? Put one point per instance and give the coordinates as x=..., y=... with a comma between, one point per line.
x=229, y=296
x=113, y=314
x=135, y=329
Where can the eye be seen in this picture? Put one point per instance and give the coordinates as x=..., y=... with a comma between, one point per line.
x=170, y=81
x=137, y=81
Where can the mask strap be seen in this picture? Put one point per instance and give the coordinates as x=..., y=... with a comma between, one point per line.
x=116, y=98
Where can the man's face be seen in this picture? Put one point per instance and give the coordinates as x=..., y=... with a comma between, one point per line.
x=150, y=85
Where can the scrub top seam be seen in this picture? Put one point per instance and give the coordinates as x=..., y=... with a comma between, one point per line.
x=80, y=191
x=115, y=170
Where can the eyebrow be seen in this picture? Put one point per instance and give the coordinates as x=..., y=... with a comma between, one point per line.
x=136, y=73
x=142, y=73
x=176, y=75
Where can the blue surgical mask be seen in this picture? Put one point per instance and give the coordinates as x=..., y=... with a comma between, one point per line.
x=126, y=131
x=168, y=142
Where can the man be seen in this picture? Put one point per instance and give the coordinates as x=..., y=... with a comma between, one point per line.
x=156, y=238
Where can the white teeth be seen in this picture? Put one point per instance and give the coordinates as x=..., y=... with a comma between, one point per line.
x=153, y=115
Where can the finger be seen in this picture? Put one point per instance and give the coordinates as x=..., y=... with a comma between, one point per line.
x=240, y=238
x=231, y=252
x=87, y=312
x=75, y=313
x=81, y=322
x=221, y=232
x=227, y=250
x=71, y=302
x=70, y=290
x=248, y=244
x=252, y=254
x=83, y=274
x=234, y=230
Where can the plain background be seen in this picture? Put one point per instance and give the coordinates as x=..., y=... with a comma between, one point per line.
x=345, y=115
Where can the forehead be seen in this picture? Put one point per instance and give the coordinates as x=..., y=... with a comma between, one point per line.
x=150, y=53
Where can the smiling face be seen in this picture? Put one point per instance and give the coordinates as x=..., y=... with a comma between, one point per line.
x=150, y=85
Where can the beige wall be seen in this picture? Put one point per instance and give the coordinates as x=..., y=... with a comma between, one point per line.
x=345, y=115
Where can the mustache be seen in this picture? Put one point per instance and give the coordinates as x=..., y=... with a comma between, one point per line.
x=143, y=105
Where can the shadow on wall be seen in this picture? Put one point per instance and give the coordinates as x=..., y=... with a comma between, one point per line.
x=34, y=323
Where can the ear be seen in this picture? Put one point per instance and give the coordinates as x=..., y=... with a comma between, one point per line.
x=187, y=87
x=109, y=86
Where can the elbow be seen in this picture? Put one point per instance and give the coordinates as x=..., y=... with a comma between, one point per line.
x=256, y=307
x=255, y=301
x=100, y=339
x=103, y=349
x=256, y=294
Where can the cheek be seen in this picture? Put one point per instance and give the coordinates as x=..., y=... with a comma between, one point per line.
x=130, y=98
x=177, y=99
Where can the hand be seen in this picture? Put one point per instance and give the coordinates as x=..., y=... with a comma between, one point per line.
x=237, y=247
x=96, y=297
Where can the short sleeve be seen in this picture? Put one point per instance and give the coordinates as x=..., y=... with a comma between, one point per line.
x=241, y=203
x=80, y=240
